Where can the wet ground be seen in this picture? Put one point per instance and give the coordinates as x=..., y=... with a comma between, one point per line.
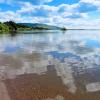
x=50, y=66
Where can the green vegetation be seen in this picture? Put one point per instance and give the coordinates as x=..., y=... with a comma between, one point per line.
x=8, y=26
x=11, y=26
x=22, y=27
x=3, y=27
x=40, y=28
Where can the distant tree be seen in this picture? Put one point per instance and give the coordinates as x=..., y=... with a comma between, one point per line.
x=12, y=25
x=19, y=25
x=4, y=28
x=63, y=29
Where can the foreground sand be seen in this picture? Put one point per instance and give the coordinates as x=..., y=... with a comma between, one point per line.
x=47, y=86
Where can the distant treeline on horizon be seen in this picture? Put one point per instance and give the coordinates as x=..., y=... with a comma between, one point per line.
x=12, y=26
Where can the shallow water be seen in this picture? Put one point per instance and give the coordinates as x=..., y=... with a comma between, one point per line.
x=50, y=65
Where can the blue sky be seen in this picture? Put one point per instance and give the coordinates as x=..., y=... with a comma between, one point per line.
x=69, y=13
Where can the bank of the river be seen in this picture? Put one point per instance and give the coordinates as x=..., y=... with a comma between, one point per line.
x=10, y=26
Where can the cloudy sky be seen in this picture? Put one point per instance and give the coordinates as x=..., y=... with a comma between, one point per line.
x=69, y=13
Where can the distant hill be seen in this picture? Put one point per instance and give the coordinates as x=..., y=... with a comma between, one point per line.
x=41, y=26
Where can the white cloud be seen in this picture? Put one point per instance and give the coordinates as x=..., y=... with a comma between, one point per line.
x=88, y=1
x=93, y=2
x=61, y=15
x=26, y=7
x=31, y=1
x=34, y=10
x=8, y=15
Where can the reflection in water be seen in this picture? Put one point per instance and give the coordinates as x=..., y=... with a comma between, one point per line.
x=68, y=63
x=92, y=87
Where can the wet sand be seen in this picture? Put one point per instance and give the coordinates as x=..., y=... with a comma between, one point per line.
x=44, y=87
x=37, y=87
x=3, y=92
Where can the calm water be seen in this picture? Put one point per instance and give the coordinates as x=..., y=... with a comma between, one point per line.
x=50, y=65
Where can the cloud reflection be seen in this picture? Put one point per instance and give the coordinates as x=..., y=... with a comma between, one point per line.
x=71, y=55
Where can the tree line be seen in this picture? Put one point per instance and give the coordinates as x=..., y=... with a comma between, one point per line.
x=10, y=26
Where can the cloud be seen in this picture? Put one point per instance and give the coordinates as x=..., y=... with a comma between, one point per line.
x=95, y=3
x=43, y=14
x=9, y=15
x=35, y=2
x=59, y=20
x=75, y=15
x=86, y=7
x=78, y=15
x=63, y=10
x=33, y=10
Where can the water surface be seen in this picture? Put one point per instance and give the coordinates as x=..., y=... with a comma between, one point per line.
x=50, y=65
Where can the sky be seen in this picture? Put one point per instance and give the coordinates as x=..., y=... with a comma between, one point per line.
x=68, y=13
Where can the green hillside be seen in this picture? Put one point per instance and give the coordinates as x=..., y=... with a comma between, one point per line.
x=12, y=26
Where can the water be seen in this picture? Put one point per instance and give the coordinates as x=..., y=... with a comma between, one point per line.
x=50, y=65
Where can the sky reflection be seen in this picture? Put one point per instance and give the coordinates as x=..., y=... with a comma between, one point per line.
x=73, y=54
